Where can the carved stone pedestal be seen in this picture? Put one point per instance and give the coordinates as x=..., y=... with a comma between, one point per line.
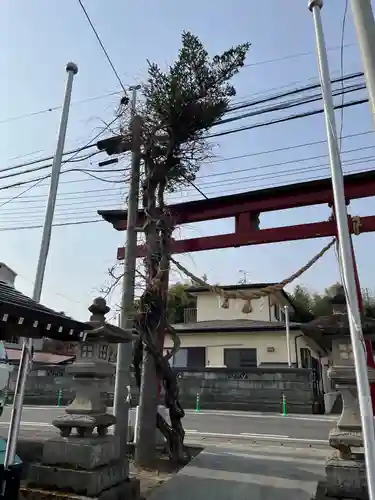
x=89, y=467
x=345, y=479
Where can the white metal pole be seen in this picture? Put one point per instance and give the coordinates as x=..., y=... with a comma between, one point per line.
x=363, y=17
x=26, y=356
x=358, y=344
x=287, y=332
x=121, y=401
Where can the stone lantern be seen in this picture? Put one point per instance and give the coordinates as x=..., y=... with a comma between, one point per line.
x=86, y=462
x=92, y=374
x=345, y=470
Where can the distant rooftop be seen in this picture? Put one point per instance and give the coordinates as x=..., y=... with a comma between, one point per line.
x=46, y=358
x=233, y=325
x=247, y=286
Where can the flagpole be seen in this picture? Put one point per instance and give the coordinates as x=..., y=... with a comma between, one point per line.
x=27, y=349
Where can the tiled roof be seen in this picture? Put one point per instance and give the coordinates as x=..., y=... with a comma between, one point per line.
x=39, y=357
x=21, y=315
x=234, y=325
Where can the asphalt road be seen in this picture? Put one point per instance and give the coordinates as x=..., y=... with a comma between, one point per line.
x=263, y=473
x=303, y=430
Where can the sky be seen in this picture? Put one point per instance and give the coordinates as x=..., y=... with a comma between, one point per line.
x=38, y=38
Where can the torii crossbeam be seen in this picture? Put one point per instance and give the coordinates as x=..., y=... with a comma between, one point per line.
x=246, y=209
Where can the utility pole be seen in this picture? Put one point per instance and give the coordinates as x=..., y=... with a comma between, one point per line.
x=124, y=351
x=347, y=264
x=27, y=350
x=363, y=17
x=287, y=334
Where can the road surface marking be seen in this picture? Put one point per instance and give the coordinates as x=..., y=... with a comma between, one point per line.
x=250, y=434
x=263, y=480
x=266, y=437
x=243, y=414
x=276, y=457
x=312, y=418
x=30, y=424
x=259, y=436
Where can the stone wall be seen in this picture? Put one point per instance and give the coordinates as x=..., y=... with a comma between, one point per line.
x=256, y=389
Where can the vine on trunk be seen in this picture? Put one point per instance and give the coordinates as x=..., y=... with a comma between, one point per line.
x=180, y=106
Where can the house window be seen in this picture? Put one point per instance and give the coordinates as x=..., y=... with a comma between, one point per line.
x=87, y=350
x=276, y=312
x=196, y=357
x=306, y=361
x=189, y=357
x=103, y=351
x=240, y=358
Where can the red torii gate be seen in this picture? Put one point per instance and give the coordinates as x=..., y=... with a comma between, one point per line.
x=246, y=209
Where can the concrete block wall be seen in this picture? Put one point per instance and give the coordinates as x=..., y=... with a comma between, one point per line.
x=255, y=389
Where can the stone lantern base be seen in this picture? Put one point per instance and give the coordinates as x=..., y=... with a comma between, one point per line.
x=345, y=479
x=95, y=470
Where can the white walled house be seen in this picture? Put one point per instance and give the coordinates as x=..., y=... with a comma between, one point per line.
x=211, y=306
x=219, y=334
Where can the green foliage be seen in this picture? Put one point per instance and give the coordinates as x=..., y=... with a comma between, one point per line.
x=313, y=305
x=178, y=301
x=183, y=102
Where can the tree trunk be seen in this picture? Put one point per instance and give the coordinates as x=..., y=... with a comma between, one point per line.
x=145, y=450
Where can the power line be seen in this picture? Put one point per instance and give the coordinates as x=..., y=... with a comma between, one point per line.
x=251, y=103
x=102, y=46
x=56, y=108
x=37, y=169
x=85, y=206
x=48, y=158
x=101, y=191
x=296, y=171
x=215, y=192
x=117, y=92
x=287, y=162
x=286, y=148
x=277, y=107
x=226, y=132
x=282, y=120
x=234, y=108
x=72, y=195
x=297, y=90
x=76, y=223
x=38, y=181
x=230, y=131
x=291, y=104
x=242, y=105
x=293, y=56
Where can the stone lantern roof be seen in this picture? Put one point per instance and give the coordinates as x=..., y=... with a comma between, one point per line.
x=100, y=330
x=335, y=325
